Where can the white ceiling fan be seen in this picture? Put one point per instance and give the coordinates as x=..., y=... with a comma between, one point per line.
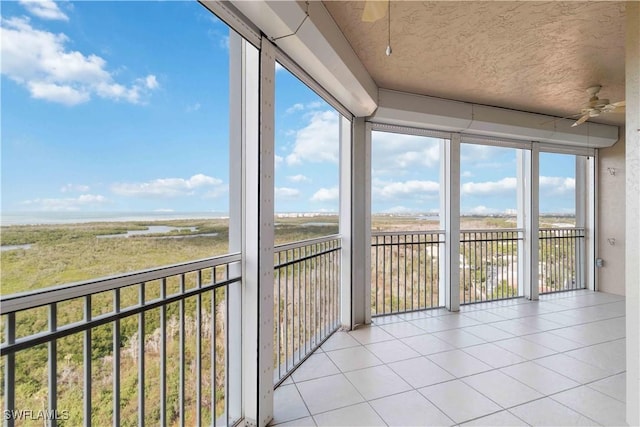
x=596, y=106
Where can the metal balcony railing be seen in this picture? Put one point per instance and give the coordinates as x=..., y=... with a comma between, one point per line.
x=405, y=271
x=155, y=346
x=561, y=259
x=306, y=299
x=489, y=264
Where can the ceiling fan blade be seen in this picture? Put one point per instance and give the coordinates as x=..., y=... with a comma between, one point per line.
x=374, y=10
x=561, y=118
x=616, y=107
x=581, y=120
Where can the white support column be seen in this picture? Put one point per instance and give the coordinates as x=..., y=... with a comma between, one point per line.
x=238, y=77
x=356, y=292
x=632, y=226
x=450, y=223
x=524, y=220
x=531, y=236
x=585, y=218
x=345, y=222
x=258, y=170
x=592, y=221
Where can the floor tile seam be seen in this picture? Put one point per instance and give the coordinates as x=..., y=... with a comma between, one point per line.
x=364, y=399
x=303, y=401
x=494, y=413
x=374, y=342
x=499, y=404
x=517, y=379
x=404, y=360
x=392, y=370
x=377, y=413
x=594, y=345
x=606, y=394
x=455, y=423
x=340, y=407
x=494, y=343
x=573, y=409
x=581, y=361
x=582, y=323
x=456, y=377
x=323, y=376
x=335, y=409
x=290, y=421
x=566, y=406
x=484, y=339
x=529, y=358
x=580, y=345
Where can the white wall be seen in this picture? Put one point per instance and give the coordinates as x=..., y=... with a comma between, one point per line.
x=611, y=216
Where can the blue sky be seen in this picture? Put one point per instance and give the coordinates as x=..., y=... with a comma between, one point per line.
x=123, y=106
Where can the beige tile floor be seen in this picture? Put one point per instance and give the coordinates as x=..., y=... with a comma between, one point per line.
x=555, y=362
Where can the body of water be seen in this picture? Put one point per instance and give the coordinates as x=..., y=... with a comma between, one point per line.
x=14, y=247
x=151, y=229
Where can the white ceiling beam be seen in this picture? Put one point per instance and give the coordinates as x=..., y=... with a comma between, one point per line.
x=426, y=112
x=318, y=47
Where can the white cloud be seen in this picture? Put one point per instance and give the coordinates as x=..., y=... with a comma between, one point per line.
x=476, y=152
x=45, y=9
x=399, y=210
x=278, y=160
x=68, y=188
x=490, y=188
x=40, y=61
x=279, y=67
x=481, y=210
x=287, y=193
x=151, y=82
x=466, y=174
x=298, y=178
x=326, y=195
x=556, y=186
x=193, y=107
x=224, y=42
x=66, y=95
x=413, y=189
x=295, y=107
x=318, y=141
x=66, y=204
x=396, y=154
x=216, y=191
x=171, y=187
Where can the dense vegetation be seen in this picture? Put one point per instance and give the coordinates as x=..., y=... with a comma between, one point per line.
x=61, y=254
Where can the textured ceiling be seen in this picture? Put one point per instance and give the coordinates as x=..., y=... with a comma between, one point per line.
x=529, y=56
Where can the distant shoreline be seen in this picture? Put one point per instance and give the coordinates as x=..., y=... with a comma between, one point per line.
x=54, y=218
x=59, y=218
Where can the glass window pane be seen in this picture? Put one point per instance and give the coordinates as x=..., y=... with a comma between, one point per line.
x=307, y=147
x=115, y=147
x=405, y=181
